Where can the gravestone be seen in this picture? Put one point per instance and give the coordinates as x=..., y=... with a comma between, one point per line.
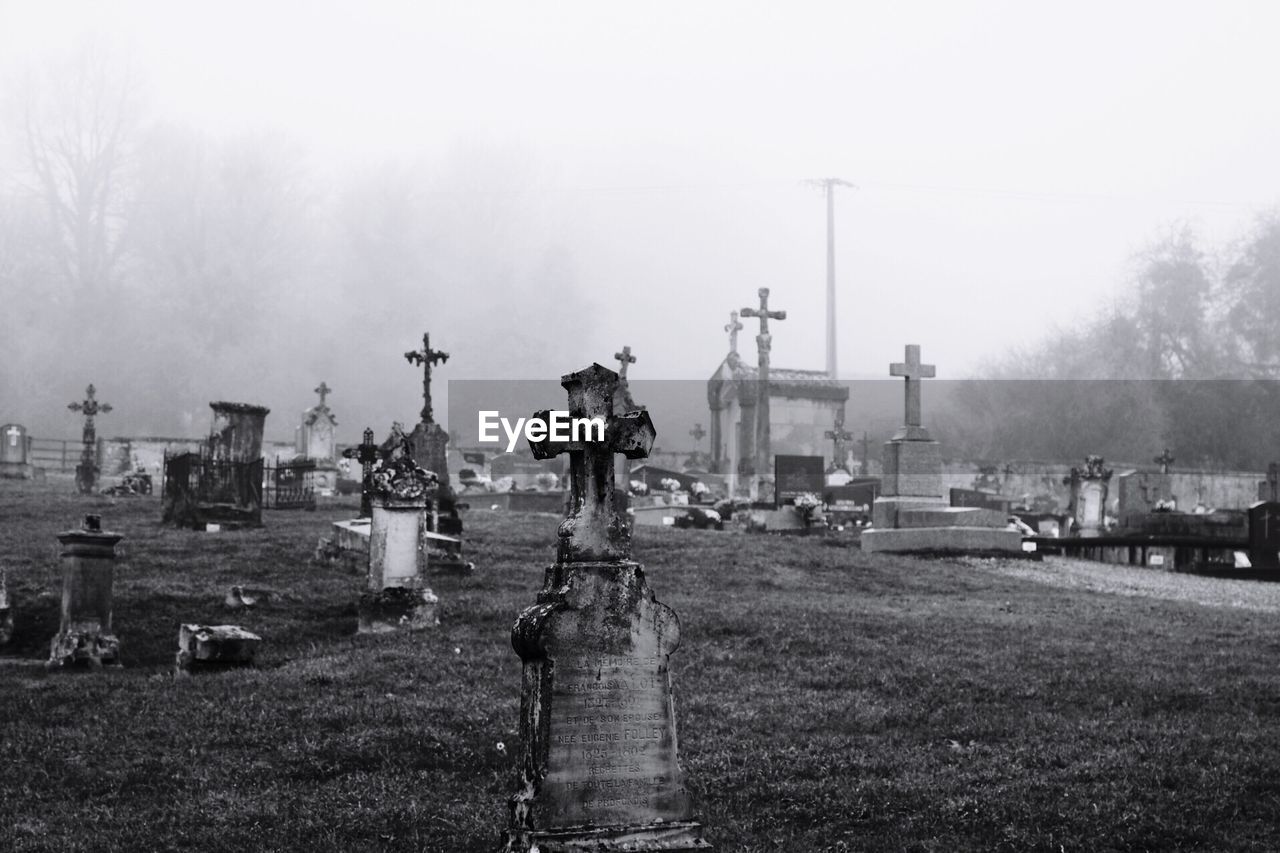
x=910, y=514
x=796, y=475
x=214, y=647
x=397, y=595
x=1269, y=489
x=87, y=469
x=1264, y=535
x=1089, y=486
x=599, y=762
x=14, y=451
x=366, y=453
x=6, y=610
x=237, y=430
x=764, y=343
x=1142, y=492
x=85, y=635
x=317, y=442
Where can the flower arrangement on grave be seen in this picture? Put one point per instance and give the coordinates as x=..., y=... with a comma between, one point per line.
x=546, y=481
x=698, y=488
x=401, y=479
x=671, y=484
x=807, y=503
x=639, y=487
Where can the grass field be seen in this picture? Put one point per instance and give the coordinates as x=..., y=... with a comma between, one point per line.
x=827, y=700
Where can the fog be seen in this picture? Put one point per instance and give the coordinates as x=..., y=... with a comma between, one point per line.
x=303, y=190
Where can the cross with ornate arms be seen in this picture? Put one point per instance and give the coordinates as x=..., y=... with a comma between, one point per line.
x=366, y=453
x=733, y=328
x=90, y=406
x=763, y=313
x=323, y=390
x=426, y=357
x=912, y=371
x=697, y=432
x=838, y=437
x=625, y=357
x=1165, y=461
x=594, y=530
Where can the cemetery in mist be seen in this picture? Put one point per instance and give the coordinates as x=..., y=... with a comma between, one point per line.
x=923, y=484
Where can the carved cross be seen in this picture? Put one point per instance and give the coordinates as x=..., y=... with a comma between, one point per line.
x=733, y=328
x=323, y=390
x=763, y=313
x=838, y=437
x=697, y=432
x=1164, y=460
x=90, y=406
x=913, y=371
x=366, y=453
x=625, y=357
x=594, y=530
x=13, y=432
x=426, y=357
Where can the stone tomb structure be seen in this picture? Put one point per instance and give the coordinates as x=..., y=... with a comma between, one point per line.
x=599, y=757
x=397, y=596
x=85, y=634
x=222, y=482
x=1089, y=487
x=911, y=513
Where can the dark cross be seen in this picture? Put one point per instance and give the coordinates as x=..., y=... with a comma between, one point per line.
x=366, y=453
x=594, y=530
x=913, y=371
x=698, y=433
x=838, y=437
x=866, y=443
x=323, y=391
x=733, y=328
x=426, y=357
x=1008, y=474
x=87, y=470
x=1164, y=460
x=625, y=357
x=764, y=341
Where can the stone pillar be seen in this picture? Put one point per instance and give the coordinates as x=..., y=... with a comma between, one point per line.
x=85, y=634
x=1089, y=487
x=397, y=596
x=237, y=431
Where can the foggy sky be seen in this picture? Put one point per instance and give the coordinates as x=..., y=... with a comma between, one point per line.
x=1010, y=158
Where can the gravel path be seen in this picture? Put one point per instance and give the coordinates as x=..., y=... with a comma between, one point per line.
x=1133, y=580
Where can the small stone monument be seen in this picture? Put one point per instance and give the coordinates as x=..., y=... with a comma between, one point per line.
x=14, y=450
x=366, y=453
x=212, y=647
x=911, y=514
x=87, y=470
x=397, y=596
x=764, y=344
x=1089, y=487
x=599, y=768
x=316, y=442
x=1264, y=535
x=85, y=635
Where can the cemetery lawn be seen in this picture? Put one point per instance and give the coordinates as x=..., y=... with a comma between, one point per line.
x=827, y=700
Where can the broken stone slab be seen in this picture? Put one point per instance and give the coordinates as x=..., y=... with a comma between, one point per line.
x=444, y=554
x=397, y=608
x=215, y=647
x=352, y=535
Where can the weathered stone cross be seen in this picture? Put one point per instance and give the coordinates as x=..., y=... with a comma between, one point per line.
x=13, y=432
x=733, y=328
x=697, y=432
x=763, y=313
x=426, y=357
x=90, y=406
x=323, y=391
x=764, y=342
x=594, y=530
x=838, y=437
x=1164, y=460
x=366, y=454
x=913, y=371
x=625, y=357
x=87, y=470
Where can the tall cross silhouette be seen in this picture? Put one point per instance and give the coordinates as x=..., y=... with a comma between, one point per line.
x=1165, y=461
x=764, y=342
x=733, y=328
x=838, y=437
x=87, y=470
x=912, y=371
x=366, y=454
x=625, y=357
x=426, y=357
x=323, y=390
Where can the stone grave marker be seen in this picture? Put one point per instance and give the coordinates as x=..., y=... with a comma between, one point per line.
x=796, y=475
x=764, y=344
x=1264, y=535
x=397, y=595
x=85, y=635
x=15, y=448
x=6, y=610
x=1089, y=487
x=213, y=647
x=599, y=758
x=87, y=469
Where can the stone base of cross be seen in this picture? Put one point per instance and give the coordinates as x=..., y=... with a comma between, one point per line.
x=594, y=530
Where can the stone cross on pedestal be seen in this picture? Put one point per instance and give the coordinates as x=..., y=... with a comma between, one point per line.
x=912, y=371
x=764, y=342
x=323, y=390
x=366, y=453
x=426, y=357
x=594, y=530
x=599, y=766
x=733, y=328
x=624, y=358
x=838, y=437
x=698, y=433
x=87, y=470
x=1164, y=460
